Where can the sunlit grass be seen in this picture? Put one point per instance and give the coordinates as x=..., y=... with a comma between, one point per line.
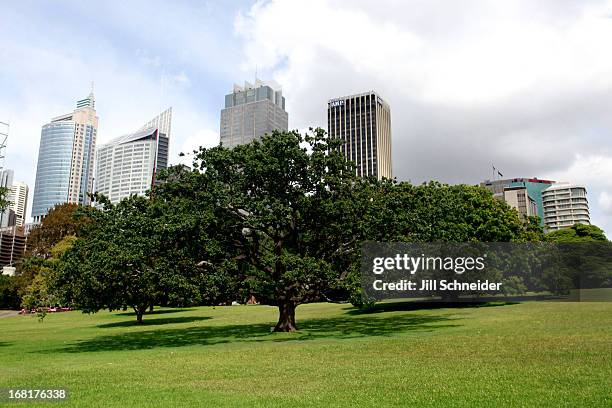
x=530, y=354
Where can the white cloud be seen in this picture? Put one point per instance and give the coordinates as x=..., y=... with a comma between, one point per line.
x=595, y=170
x=605, y=202
x=526, y=85
x=204, y=138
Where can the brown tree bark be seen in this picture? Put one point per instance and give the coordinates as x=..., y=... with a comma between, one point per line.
x=286, y=318
x=140, y=310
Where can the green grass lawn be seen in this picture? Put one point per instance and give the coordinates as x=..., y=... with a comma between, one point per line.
x=522, y=355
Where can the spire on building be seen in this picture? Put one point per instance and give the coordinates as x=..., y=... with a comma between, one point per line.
x=90, y=101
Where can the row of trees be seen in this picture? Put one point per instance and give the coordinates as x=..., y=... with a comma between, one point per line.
x=281, y=219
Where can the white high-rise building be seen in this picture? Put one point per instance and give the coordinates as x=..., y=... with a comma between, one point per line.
x=128, y=165
x=565, y=204
x=19, y=202
x=252, y=111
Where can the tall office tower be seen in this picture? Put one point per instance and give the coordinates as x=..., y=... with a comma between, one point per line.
x=363, y=122
x=510, y=191
x=65, y=159
x=565, y=204
x=128, y=164
x=7, y=217
x=252, y=111
x=19, y=202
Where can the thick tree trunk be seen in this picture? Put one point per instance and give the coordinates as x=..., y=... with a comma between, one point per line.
x=286, y=318
x=151, y=309
x=140, y=311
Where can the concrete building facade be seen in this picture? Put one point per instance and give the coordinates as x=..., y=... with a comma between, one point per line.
x=363, y=122
x=251, y=112
x=128, y=164
x=565, y=204
x=519, y=198
x=533, y=188
x=19, y=202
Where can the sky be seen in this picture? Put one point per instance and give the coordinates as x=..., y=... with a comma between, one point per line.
x=525, y=86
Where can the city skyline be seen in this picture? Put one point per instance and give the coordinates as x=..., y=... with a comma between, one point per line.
x=525, y=86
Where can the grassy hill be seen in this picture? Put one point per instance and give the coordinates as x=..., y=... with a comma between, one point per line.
x=530, y=354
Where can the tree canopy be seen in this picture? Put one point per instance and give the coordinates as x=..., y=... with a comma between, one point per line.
x=278, y=208
x=57, y=224
x=291, y=211
x=281, y=219
x=133, y=254
x=577, y=233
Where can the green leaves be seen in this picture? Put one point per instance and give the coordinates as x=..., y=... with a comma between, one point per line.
x=281, y=218
x=578, y=233
x=129, y=257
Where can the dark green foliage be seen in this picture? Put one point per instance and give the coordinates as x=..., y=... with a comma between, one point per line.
x=135, y=254
x=291, y=209
x=279, y=210
x=577, y=233
x=10, y=291
x=282, y=219
x=433, y=212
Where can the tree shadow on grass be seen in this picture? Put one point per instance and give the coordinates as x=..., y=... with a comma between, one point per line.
x=155, y=312
x=155, y=322
x=343, y=327
x=410, y=305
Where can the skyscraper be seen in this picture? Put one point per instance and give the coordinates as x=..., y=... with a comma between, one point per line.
x=128, y=164
x=65, y=159
x=565, y=204
x=19, y=202
x=7, y=217
x=363, y=122
x=252, y=111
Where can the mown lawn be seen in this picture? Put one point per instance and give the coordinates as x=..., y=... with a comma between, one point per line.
x=522, y=355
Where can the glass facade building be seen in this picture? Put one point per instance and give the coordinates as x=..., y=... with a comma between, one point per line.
x=64, y=173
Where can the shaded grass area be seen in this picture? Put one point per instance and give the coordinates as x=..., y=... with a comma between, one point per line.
x=398, y=354
x=157, y=322
x=332, y=328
